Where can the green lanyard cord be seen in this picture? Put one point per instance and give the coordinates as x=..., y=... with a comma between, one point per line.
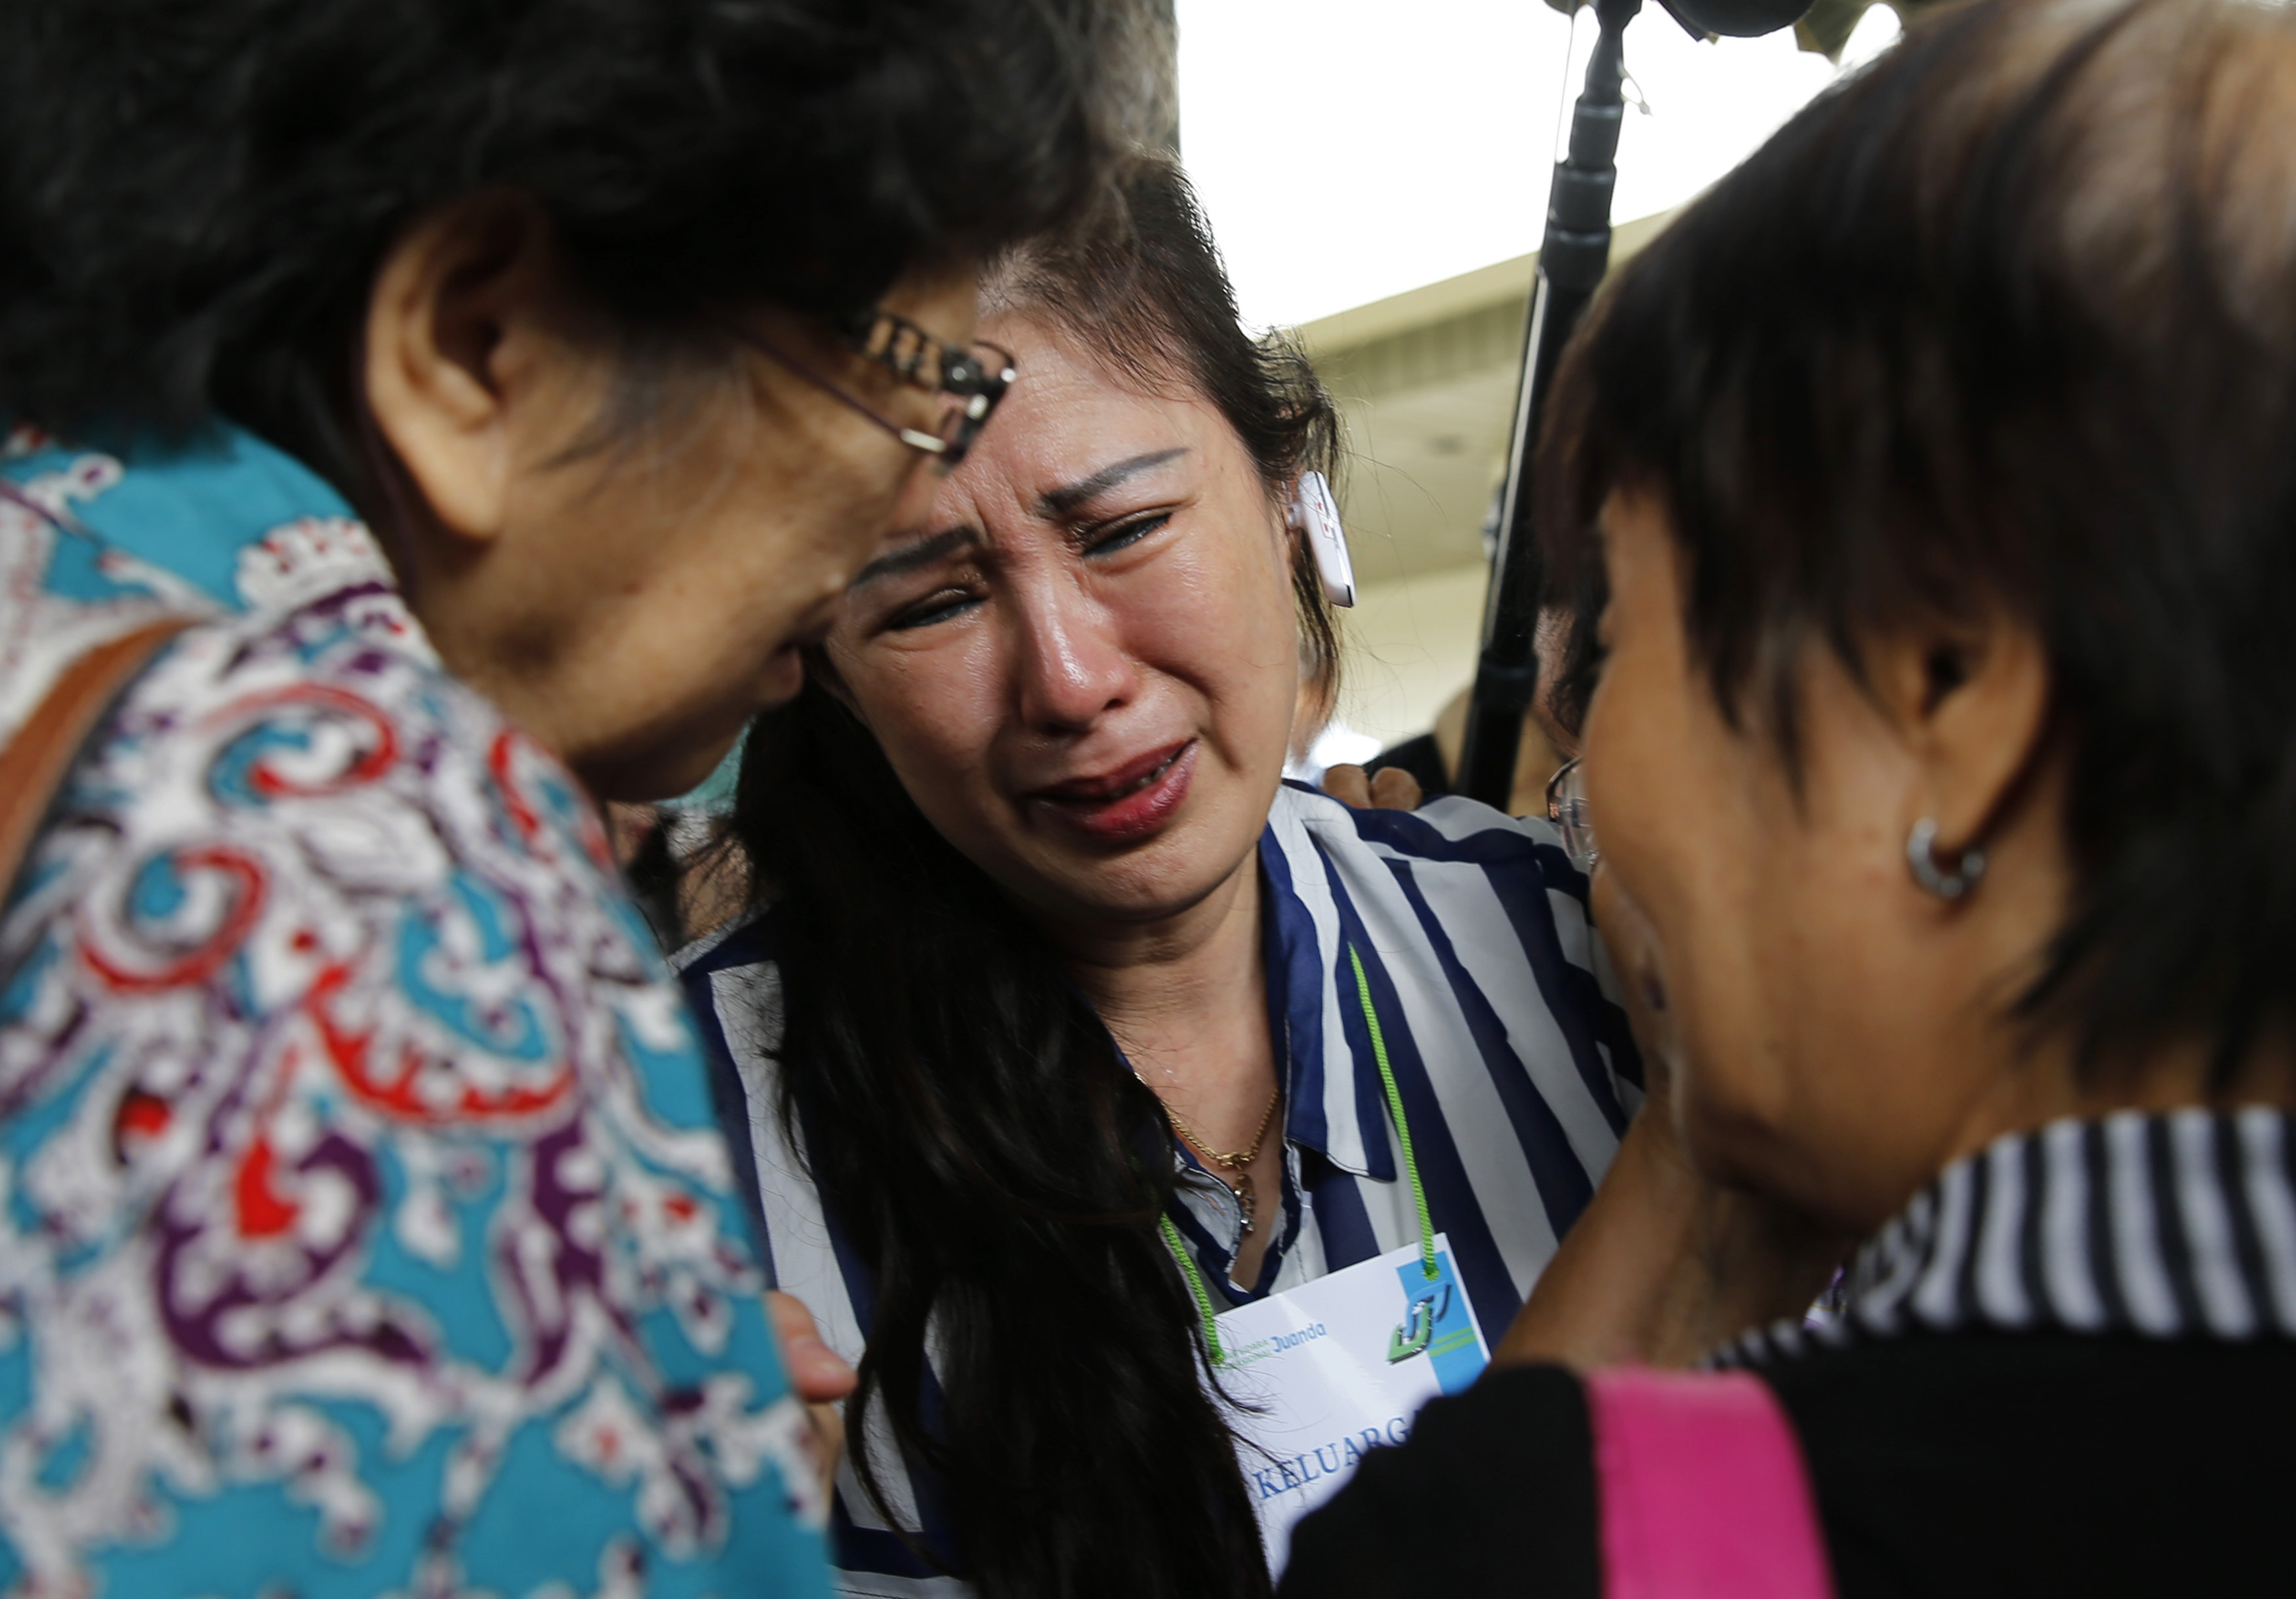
x=1402, y=1122
x=1171, y=1235
x=1203, y=1295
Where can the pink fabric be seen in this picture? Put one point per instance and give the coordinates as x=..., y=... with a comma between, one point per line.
x=1701, y=1490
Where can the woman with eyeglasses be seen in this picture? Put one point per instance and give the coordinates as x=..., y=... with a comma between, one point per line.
x=423, y=420
x=1943, y=764
x=1063, y=1024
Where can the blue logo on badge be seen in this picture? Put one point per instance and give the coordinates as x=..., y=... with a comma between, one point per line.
x=1438, y=1324
x=1418, y=1327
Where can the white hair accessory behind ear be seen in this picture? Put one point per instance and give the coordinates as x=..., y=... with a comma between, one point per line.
x=1316, y=516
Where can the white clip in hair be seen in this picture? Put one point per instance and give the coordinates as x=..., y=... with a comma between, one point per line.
x=1314, y=516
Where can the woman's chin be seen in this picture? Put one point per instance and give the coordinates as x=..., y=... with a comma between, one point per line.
x=1169, y=877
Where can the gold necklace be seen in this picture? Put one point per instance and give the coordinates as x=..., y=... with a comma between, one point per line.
x=1239, y=1162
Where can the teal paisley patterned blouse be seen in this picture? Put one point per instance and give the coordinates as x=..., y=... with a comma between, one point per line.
x=363, y=1224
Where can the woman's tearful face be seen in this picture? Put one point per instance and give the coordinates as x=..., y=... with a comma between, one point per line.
x=1084, y=671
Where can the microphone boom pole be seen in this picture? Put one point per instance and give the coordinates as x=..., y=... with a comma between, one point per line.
x=1571, y=261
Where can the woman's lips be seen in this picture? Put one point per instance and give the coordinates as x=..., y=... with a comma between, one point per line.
x=1131, y=801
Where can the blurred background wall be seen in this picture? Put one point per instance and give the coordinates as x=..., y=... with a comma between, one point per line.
x=1375, y=172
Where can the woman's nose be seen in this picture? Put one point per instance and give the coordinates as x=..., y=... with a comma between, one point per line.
x=1073, y=667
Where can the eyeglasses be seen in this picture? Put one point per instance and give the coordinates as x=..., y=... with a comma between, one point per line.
x=968, y=382
x=1566, y=807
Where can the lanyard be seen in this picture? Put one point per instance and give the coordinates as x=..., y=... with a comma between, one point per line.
x=1171, y=1235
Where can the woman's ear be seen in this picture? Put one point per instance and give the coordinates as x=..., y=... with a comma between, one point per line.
x=1291, y=529
x=452, y=346
x=1975, y=703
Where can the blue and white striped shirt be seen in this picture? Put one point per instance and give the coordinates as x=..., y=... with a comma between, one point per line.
x=1515, y=1068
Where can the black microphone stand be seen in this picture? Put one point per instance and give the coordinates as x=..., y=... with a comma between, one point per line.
x=1571, y=261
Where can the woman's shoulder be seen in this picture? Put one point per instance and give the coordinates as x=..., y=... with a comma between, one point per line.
x=733, y=980
x=324, y=751
x=1450, y=827
x=2052, y=1461
x=1454, y=857
x=1494, y=1485
x=750, y=939
x=313, y=925
x=297, y=822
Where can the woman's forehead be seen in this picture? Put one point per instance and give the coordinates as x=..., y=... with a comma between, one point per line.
x=1058, y=486
x=1066, y=368
x=1066, y=425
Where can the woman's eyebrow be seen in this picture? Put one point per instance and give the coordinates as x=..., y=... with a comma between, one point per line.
x=1056, y=503
x=909, y=557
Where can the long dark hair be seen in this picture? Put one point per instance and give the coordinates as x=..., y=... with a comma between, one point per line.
x=965, y=1114
x=2007, y=324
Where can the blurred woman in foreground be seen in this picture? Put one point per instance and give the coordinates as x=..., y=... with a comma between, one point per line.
x=479, y=402
x=1945, y=747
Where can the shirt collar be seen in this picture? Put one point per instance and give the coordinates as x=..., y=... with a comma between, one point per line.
x=2170, y=1225
x=221, y=520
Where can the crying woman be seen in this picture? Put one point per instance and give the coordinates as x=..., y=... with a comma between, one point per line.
x=1060, y=1023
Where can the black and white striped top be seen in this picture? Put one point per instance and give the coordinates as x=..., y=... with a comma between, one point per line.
x=2171, y=1226
x=1514, y=1064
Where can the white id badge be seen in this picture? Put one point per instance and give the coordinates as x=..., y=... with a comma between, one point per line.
x=1336, y=1367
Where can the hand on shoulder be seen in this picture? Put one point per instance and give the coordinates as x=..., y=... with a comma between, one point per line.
x=1390, y=788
